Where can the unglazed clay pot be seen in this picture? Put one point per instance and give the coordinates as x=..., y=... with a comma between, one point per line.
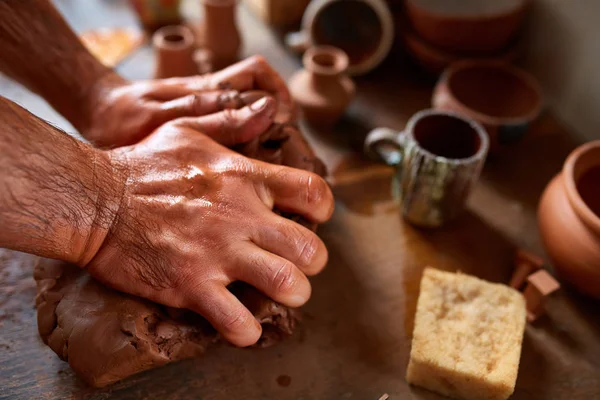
x=569, y=219
x=363, y=29
x=467, y=26
x=220, y=35
x=436, y=60
x=503, y=98
x=174, y=48
x=322, y=89
x=154, y=14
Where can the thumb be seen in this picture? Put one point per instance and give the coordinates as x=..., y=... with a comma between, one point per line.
x=230, y=127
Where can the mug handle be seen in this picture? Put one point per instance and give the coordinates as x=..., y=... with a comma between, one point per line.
x=385, y=144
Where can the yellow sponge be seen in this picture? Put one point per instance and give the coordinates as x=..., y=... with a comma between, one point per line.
x=467, y=337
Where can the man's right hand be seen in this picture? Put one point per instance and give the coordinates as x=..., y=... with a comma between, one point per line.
x=196, y=216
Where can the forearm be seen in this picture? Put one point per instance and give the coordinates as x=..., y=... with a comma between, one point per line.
x=58, y=196
x=39, y=50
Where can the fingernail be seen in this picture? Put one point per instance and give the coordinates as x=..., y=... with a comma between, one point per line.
x=297, y=301
x=259, y=105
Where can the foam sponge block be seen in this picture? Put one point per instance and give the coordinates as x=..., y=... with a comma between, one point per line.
x=467, y=337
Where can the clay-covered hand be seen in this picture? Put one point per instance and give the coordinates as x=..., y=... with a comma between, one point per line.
x=197, y=216
x=122, y=113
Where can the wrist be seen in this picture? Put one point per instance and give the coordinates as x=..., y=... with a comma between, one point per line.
x=109, y=182
x=93, y=100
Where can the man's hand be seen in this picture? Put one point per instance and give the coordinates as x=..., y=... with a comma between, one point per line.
x=196, y=217
x=105, y=108
x=123, y=113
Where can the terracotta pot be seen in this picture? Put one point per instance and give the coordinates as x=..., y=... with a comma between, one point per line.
x=435, y=60
x=468, y=26
x=221, y=38
x=322, y=89
x=154, y=14
x=569, y=219
x=364, y=29
x=503, y=98
x=174, y=48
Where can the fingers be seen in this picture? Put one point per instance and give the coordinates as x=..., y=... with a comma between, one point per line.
x=293, y=190
x=226, y=314
x=293, y=242
x=198, y=104
x=231, y=127
x=253, y=73
x=275, y=276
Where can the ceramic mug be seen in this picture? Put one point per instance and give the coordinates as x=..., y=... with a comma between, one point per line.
x=438, y=159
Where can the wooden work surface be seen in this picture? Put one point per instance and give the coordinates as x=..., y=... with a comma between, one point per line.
x=354, y=342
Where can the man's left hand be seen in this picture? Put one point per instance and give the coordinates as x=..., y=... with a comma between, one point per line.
x=122, y=113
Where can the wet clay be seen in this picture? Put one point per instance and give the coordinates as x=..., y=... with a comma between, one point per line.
x=106, y=335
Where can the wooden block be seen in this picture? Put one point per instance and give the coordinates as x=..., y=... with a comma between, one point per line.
x=526, y=263
x=540, y=285
x=279, y=12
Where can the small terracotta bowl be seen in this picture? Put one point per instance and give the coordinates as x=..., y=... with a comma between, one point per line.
x=503, y=98
x=467, y=26
x=436, y=60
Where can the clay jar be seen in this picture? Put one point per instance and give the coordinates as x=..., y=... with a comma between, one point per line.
x=322, y=89
x=363, y=29
x=503, y=98
x=569, y=219
x=174, y=48
x=219, y=32
x=467, y=26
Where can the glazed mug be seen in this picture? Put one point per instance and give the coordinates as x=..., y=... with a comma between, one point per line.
x=438, y=159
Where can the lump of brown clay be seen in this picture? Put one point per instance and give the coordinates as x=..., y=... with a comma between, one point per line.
x=106, y=335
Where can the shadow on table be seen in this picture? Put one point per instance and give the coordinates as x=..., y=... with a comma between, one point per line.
x=522, y=173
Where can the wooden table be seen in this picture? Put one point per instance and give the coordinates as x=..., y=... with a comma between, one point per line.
x=354, y=342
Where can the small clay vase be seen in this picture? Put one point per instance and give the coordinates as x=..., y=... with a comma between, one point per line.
x=174, y=48
x=503, y=98
x=478, y=27
x=221, y=40
x=569, y=219
x=363, y=29
x=322, y=89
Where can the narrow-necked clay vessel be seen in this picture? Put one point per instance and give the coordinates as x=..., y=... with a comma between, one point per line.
x=363, y=29
x=503, y=98
x=174, y=48
x=569, y=219
x=467, y=26
x=322, y=89
x=435, y=60
x=221, y=38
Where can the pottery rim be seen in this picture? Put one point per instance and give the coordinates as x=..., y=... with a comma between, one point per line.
x=183, y=33
x=325, y=60
x=571, y=172
x=467, y=18
x=523, y=76
x=484, y=141
x=387, y=32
